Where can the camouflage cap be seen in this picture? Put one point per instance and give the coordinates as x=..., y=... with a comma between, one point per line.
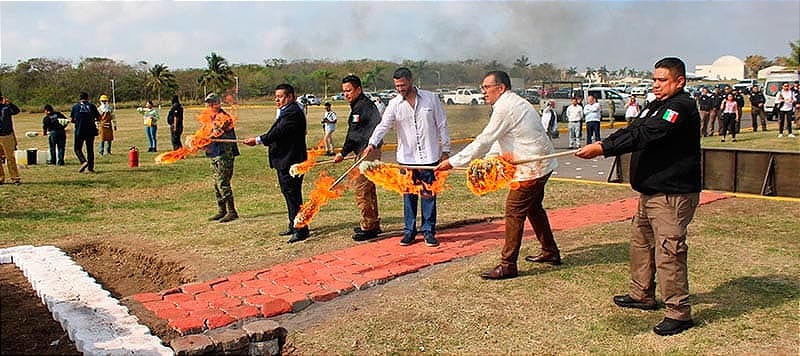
x=212, y=98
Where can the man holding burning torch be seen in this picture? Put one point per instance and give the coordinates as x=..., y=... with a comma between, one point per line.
x=363, y=119
x=286, y=140
x=422, y=139
x=665, y=170
x=222, y=155
x=515, y=131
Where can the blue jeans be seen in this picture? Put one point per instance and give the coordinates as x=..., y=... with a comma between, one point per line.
x=102, y=146
x=592, y=131
x=428, y=205
x=57, y=142
x=150, y=131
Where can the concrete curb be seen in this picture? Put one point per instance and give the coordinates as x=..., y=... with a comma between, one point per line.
x=94, y=320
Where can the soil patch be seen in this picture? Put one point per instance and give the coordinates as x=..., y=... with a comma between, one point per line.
x=124, y=272
x=26, y=326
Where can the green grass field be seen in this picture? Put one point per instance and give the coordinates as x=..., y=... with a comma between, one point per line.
x=743, y=259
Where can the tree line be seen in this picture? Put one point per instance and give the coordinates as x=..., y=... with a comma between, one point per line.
x=39, y=81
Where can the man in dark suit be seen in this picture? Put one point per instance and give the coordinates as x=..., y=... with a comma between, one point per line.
x=286, y=140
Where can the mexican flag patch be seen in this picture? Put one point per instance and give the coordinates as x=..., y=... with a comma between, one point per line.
x=670, y=116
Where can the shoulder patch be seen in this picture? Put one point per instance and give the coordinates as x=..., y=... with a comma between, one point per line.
x=670, y=115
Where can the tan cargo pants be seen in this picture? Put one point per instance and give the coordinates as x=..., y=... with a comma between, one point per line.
x=367, y=198
x=658, y=248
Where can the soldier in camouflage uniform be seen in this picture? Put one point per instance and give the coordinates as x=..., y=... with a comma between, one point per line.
x=222, y=155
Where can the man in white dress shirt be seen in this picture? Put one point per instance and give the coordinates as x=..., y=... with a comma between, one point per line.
x=422, y=140
x=515, y=131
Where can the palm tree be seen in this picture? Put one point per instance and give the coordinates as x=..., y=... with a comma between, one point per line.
x=373, y=75
x=325, y=76
x=572, y=71
x=521, y=66
x=160, y=76
x=218, y=76
x=589, y=73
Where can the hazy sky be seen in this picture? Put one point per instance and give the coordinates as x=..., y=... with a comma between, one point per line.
x=575, y=33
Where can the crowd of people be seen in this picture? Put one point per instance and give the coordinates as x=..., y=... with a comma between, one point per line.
x=721, y=110
x=663, y=137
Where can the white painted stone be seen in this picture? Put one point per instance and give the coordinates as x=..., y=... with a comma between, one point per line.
x=93, y=319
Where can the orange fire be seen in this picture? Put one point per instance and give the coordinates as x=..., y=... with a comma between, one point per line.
x=211, y=126
x=391, y=178
x=486, y=175
x=320, y=196
x=301, y=168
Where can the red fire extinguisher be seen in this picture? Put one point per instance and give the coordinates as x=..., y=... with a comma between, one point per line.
x=133, y=157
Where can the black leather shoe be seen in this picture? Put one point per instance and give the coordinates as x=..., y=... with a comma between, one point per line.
x=670, y=326
x=365, y=235
x=540, y=258
x=297, y=237
x=286, y=233
x=500, y=272
x=626, y=301
x=84, y=165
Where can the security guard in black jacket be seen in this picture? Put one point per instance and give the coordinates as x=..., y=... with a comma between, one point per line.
x=665, y=170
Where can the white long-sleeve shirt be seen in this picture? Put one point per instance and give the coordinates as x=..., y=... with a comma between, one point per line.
x=574, y=113
x=514, y=130
x=422, y=133
x=591, y=112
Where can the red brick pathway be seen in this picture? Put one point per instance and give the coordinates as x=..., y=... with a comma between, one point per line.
x=292, y=286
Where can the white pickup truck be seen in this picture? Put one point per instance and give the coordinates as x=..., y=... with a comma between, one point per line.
x=463, y=96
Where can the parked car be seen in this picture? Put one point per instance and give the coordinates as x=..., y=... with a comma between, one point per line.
x=745, y=85
x=339, y=96
x=309, y=99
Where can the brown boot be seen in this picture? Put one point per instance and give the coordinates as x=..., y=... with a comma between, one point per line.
x=221, y=213
x=232, y=214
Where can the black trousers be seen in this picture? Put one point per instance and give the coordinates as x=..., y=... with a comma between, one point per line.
x=176, y=139
x=292, y=189
x=729, y=124
x=78, y=147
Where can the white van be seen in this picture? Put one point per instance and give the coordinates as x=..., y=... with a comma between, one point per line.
x=773, y=84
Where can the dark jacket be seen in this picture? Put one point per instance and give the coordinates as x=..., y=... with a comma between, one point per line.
x=717, y=100
x=364, y=117
x=228, y=149
x=286, y=138
x=6, y=111
x=739, y=98
x=757, y=98
x=175, y=117
x=706, y=102
x=83, y=115
x=50, y=123
x=665, y=141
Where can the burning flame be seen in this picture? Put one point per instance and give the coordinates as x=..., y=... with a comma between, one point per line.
x=486, y=175
x=301, y=168
x=212, y=125
x=391, y=178
x=320, y=196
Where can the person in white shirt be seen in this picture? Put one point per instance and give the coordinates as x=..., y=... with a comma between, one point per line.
x=632, y=109
x=785, y=101
x=422, y=139
x=574, y=118
x=328, y=127
x=379, y=104
x=591, y=113
x=515, y=131
x=550, y=119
